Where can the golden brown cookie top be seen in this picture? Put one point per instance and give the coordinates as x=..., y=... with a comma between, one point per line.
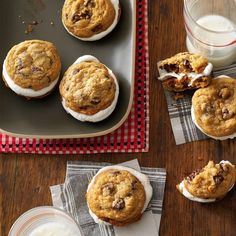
x=117, y=197
x=184, y=62
x=214, y=107
x=85, y=18
x=33, y=64
x=88, y=87
x=213, y=181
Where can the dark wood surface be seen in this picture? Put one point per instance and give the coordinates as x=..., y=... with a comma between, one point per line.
x=25, y=179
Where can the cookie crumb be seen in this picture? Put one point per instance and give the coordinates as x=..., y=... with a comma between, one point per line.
x=177, y=96
x=29, y=29
x=200, y=158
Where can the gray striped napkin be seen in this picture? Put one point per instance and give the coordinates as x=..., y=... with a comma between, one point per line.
x=70, y=197
x=179, y=110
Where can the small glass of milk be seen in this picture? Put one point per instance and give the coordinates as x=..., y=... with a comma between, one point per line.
x=211, y=30
x=45, y=221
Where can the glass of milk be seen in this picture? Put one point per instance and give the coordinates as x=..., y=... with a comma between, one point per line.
x=211, y=30
x=45, y=221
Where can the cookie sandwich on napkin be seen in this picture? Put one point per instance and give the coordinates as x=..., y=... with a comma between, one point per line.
x=118, y=195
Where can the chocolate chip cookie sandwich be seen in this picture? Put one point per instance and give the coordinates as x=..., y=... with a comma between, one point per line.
x=214, y=108
x=32, y=68
x=90, y=20
x=185, y=71
x=210, y=183
x=89, y=90
x=118, y=195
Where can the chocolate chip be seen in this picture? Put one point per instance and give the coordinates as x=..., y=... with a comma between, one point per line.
x=108, y=189
x=187, y=65
x=51, y=60
x=86, y=14
x=75, y=17
x=95, y=100
x=89, y=3
x=36, y=69
x=97, y=28
x=171, y=68
x=114, y=172
x=186, y=62
x=118, y=204
x=133, y=184
x=20, y=64
x=224, y=93
x=190, y=177
x=207, y=107
x=218, y=179
x=76, y=71
x=226, y=114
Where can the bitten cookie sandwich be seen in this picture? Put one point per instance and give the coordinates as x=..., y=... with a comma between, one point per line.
x=32, y=68
x=209, y=184
x=214, y=108
x=90, y=20
x=118, y=195
x=89, y=90
x=185, y=71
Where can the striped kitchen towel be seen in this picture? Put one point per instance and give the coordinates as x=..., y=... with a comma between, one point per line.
x=70, y=197
x=184, y=129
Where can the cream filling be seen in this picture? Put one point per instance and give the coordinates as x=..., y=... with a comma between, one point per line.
x=98, y=36
x=141, y=177
x=194, y=76
x=26, y=92
x=101, y=115
x=232, y=136
x=188, y=195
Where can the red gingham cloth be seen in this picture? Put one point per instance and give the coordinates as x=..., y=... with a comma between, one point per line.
x=132, y=136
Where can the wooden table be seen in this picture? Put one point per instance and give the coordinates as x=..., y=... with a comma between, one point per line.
x=25, y=179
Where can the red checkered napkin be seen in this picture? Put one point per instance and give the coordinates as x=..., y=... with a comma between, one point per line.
x=132, y=136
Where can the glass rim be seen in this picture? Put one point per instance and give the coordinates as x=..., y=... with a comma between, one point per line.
x=186, y=9
x=50, y=208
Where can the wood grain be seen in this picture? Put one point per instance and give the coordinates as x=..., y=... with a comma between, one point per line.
x=25, y=179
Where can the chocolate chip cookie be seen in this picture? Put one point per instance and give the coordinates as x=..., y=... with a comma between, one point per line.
x=116, y=196
x=214, y=107
x=185, y=71
x=32, y=68
x=212, y=182
x=89, y=87
x=90, y=19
